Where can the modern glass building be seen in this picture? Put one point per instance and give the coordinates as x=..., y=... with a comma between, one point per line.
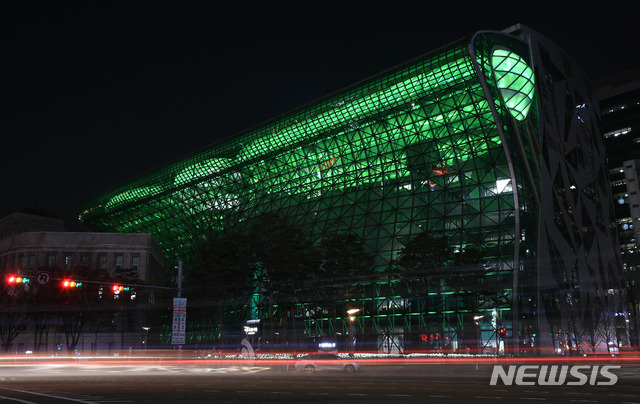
x=619, y=99
x=492, y=140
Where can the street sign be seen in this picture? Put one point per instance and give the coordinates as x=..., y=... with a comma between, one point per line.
x=179, y=320
x=42, y=278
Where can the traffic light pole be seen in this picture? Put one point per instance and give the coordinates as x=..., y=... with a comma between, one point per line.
x=122, y=284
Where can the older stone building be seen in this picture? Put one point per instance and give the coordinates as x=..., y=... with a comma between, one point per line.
x=41, y=306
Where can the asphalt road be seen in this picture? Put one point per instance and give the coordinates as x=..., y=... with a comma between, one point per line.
x=88, y=384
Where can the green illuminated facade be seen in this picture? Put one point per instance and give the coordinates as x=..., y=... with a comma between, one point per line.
x=491, y=141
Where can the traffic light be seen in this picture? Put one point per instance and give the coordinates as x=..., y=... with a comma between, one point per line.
x=119, y=288
x=502, y=331
x=13, y=279
x=68, y=283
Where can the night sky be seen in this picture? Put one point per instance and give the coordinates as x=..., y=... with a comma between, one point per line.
x=96, y=93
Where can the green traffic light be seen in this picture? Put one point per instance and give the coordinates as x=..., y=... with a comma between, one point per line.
x=17, y=279
x=73, y=284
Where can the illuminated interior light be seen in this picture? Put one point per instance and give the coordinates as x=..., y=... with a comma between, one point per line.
x=501, y=185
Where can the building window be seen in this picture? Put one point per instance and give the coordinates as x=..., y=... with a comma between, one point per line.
x=51, y=261
x=102, y=262
x=135, y=261
x=614, y=109
x=68, y=260
x=32, y=261
x=118, y=261
x=20, y=260
x=617, y=132
x=85, y=260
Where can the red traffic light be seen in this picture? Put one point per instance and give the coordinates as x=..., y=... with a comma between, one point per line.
x=119, y=288
x=17, y=279
x=67, y=283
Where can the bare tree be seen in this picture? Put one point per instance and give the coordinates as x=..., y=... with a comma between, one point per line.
x=606, y=328
x=591, y=322
x=76, y=306
x=14, y=313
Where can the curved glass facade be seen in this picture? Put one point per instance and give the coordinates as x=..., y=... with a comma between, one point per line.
x=414, y=150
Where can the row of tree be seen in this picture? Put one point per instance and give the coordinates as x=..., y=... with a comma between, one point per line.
x=273, y=266
x=589, y=324
x=266, y=267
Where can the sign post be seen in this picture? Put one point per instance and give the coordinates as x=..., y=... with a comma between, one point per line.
x=179, y=320
x=179, y=315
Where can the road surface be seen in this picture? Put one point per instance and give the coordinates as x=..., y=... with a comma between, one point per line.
x=89, y=383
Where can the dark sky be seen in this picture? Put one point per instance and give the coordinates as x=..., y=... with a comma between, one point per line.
x=96, y=93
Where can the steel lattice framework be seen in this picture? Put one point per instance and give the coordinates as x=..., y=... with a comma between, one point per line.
x=449, y=142
x=386, y=160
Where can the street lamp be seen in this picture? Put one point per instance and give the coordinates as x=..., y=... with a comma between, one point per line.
x=476, y=319
x=146, y=336
x=352, y=329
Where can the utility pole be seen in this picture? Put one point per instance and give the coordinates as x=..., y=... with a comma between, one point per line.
x=180, y=278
